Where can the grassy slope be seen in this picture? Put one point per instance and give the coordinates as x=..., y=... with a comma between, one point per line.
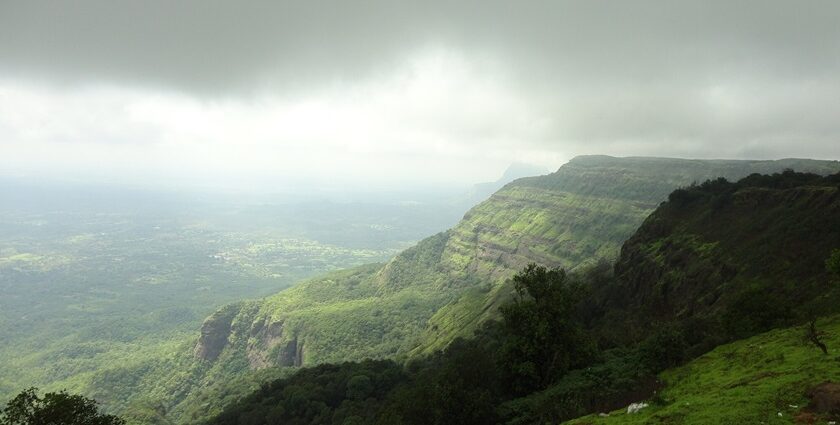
x=746, y=382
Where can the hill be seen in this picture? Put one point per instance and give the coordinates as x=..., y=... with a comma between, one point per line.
x=764, y=379
x=510, y=372
x=570, y=218
x=737, y=257
x=450, y=283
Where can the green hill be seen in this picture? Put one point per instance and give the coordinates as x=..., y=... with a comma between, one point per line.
x=570, y=218
x=763, y=379
x=738, y=257
x=450, y=283
x=717, y=262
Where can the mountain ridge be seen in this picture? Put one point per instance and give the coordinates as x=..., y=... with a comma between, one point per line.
x=566, y=219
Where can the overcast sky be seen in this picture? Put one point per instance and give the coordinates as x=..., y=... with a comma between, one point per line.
x=258, y=95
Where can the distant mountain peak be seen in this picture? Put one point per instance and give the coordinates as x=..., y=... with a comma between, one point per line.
x=521, y=169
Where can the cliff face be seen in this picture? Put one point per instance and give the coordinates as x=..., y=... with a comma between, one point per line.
x=215, y=332
x=448, y=284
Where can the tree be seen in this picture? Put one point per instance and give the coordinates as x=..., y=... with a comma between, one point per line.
x=544, y=338
x=832, y=264
x=60, y=408
x=812, y=334
x=359, y=387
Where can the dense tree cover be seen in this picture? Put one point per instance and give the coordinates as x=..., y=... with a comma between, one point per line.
x=735, y=258
x=57, y=408
x=720, y=189
x=349, y=393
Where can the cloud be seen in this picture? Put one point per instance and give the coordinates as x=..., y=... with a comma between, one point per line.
x=437, y=112
x=380, y=88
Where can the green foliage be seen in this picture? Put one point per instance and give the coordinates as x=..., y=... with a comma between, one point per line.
x=665, y=348
x=464, y=383
x=359, y=387
x=27, y=408
x=327, y=394
x=756, y=310
x=741, y=257
x=543, y=339
x=461, y=384
x=832, y=263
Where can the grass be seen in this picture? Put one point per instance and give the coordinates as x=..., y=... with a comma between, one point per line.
x=759, y=380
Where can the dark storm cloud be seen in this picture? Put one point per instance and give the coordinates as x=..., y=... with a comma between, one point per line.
x=666, y=77
x=217, y=45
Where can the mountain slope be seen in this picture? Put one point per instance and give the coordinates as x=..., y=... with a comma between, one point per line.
x=754, y=253
x=571, y=219
x=749, y=254
x=763, y=379
x=583, y=211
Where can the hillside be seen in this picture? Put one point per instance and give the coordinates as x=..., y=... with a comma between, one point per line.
x=570, y=218
x=737, y=257
x=717, y=262
x=763, y=379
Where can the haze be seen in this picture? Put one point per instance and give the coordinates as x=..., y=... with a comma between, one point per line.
x=271, y=95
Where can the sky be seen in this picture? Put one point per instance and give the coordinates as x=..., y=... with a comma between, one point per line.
x=261, y=96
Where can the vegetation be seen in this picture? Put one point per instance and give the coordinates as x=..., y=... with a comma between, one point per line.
x=542, y=341
x=763, y=379
x=727, y=260
x=28, y=408
x=448, y=285
x=535, y=365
